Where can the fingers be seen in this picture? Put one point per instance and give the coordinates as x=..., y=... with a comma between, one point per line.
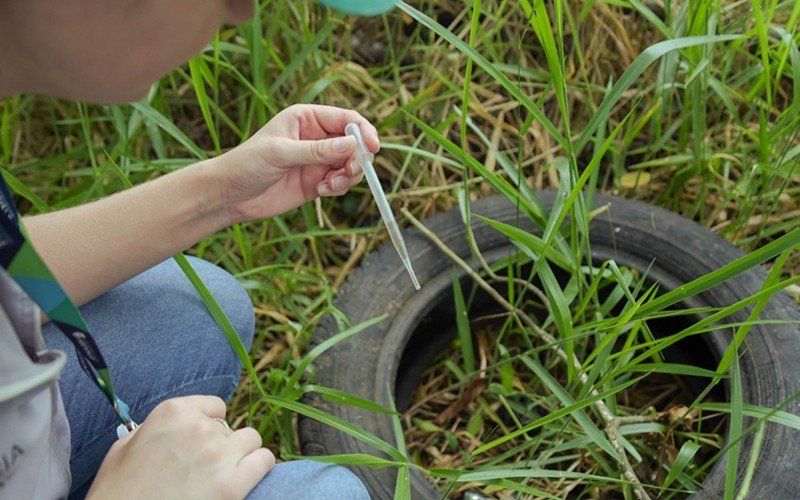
x=295, y=153
x=333, y=121
x=245, y=441
x=337, y=183
x=255, y=461
x=259, y=461
x=252, y=469
x=353, y=166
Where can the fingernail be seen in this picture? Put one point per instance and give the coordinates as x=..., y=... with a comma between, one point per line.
x=355, y=167
x=338, y=183
x=343, y=144
x=324, y=190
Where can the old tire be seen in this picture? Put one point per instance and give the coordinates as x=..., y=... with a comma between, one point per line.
x=634, y=234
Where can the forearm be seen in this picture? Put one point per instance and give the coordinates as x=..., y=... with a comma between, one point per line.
x=94, y=247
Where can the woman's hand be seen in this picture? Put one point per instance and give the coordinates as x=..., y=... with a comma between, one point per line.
x=300, y=154
x=181, y=452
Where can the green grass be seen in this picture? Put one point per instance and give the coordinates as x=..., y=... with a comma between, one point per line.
x=695, y=108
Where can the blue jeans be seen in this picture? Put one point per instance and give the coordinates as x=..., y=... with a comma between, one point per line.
x=160, y=342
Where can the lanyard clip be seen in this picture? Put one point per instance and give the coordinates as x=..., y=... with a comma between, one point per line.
x=123, y=411
x=126, y=428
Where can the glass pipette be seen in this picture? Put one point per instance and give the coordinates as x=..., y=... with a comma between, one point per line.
x=364, y=157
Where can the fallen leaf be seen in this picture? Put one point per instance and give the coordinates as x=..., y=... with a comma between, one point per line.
x=680, y=414
x=473, y=391
x=635, y=179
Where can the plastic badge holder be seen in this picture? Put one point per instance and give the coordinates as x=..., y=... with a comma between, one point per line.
x=364, y=157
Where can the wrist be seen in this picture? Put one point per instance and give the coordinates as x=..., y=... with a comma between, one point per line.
x=211, y=194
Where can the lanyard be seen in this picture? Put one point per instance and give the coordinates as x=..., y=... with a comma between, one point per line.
x=24, y=265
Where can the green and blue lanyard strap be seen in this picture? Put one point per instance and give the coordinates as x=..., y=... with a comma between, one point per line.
x=27, y=269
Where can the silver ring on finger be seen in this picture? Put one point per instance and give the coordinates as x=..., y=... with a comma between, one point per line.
x=222, y=421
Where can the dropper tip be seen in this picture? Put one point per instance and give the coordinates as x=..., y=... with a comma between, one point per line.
x=411, y=273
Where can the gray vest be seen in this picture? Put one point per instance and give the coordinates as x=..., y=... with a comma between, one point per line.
x=34, y=433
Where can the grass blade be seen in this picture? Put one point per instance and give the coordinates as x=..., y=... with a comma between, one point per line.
x=755, y=451
x=302, y=56
x=337, y=423
x=361, y=459
x=324, y=346
x=568, y=401
x=220, y=318
x=170, y=128
x=685, y=456
x=462, y=324
x=22, y=190
x=402, y=488
x=345, y=398
x=735, y=424
x=532, y=242
x=634, y=71
x=771, y=414
x=740, y=265
x=499, y=183
x=488, y=67
x=738, y=338
x=196, y=68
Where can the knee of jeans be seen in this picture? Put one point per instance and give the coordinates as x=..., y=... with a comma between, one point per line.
x=342, y=480
x=306, y=479
x=230, y=294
